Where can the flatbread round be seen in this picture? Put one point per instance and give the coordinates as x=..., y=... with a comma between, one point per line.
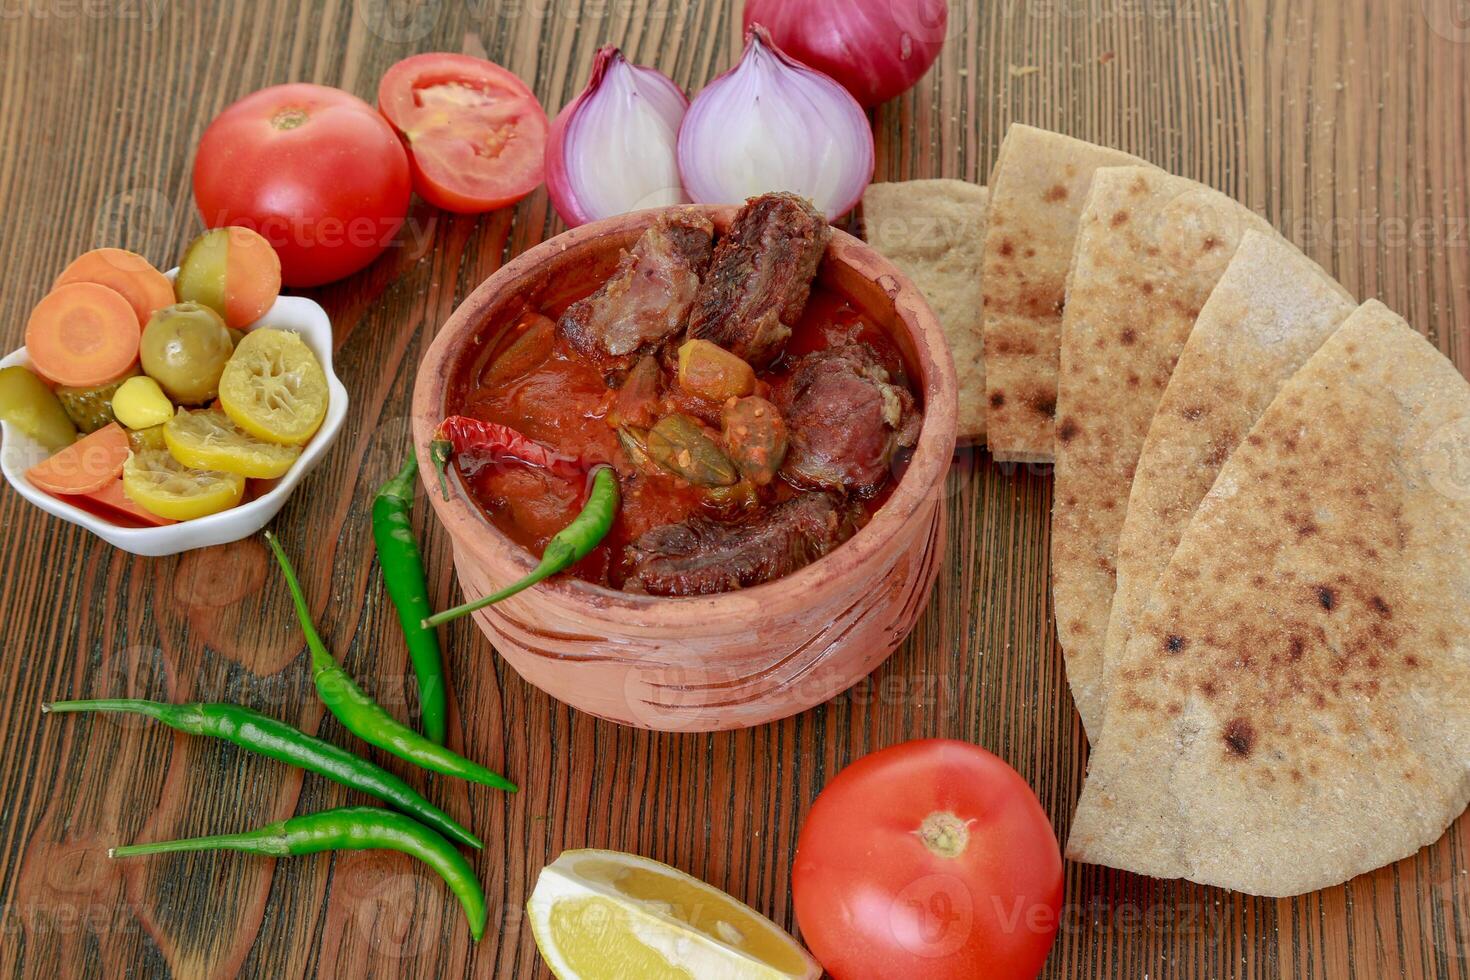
x=1290, y=710
x=1150, y=248
x=1037, y=190
x=933, y=230
x=1269, y=312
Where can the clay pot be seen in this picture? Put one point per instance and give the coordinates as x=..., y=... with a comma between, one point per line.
x=713, y=662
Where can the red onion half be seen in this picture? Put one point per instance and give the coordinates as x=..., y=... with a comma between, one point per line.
x=612, y=149
x=876, y=48
x=773, y=124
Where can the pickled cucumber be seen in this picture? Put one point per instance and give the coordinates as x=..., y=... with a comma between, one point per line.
x=90, y=408
x=27, y=404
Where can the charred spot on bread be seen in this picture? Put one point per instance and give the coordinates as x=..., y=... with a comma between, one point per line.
x=1239, y=736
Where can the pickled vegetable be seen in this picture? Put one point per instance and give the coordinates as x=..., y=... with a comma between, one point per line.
x=127, y=273
x=82, y=334
x=679, y=444
x=85, y=465
x=162, y=485
x=709, y=371
x=90, y=408
x=27, y=404
x=274, y=387
x=139, y=403
x=208, y=440
x=233, y=271
x=755, y=436
x=142, y=440
x=185, y=349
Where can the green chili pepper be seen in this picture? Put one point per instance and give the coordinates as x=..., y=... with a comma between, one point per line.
x=348, y=828
x=403, y=577
x=567, y=547
x=277, y=740
x=363, y=716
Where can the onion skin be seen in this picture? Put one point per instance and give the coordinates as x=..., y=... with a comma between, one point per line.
x=876, y=49
x=562, y=146
x=774, y=124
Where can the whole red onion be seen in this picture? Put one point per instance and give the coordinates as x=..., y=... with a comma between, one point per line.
x=875, y=48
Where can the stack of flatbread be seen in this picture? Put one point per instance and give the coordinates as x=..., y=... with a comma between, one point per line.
x=1261, y=523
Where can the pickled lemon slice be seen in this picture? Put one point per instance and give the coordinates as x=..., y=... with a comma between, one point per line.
x=605, y=914
x=274, y=388
x=162, y=485
x=209, y=440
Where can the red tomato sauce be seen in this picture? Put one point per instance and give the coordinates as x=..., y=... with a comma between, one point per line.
x=564, y=403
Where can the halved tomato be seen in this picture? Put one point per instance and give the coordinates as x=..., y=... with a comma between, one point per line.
x=476, y=134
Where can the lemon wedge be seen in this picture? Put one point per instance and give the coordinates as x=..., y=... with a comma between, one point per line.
x=606, y=915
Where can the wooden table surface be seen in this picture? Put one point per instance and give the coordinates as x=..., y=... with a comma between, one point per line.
x=1346, y=123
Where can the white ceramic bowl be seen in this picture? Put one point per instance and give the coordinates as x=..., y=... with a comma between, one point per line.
x=18, y=453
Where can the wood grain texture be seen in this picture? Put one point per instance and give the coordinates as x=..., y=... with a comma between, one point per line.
x=1346, y=124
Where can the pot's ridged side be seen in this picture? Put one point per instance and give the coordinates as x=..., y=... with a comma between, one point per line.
x=669, y=680
x=712, y=662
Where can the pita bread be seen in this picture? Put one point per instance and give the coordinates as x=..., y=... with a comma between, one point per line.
x=1037, y=189
x=1270, y=311
x=1150, y=248
x=1293, y=707
x=933, y=230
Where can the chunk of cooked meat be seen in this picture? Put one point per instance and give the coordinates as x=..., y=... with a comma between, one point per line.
x=701, y=557
x=648, y=298
x=845, y=419
x=760, y=277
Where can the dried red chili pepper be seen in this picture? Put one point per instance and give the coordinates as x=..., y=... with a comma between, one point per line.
x=459, y=433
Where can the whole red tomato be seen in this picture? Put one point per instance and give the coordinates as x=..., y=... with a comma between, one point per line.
x=933, y=860
x=313, y=169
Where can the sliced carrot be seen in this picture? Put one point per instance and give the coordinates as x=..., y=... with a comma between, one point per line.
x=82, y=334
x=232, y=270
x=110, y=502
x=86, y=465
x=144, y=287
x=252, y=277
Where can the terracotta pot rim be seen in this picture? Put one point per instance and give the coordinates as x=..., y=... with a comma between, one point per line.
x=924, y=475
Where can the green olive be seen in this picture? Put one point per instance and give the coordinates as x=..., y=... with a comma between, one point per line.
x=185, y=348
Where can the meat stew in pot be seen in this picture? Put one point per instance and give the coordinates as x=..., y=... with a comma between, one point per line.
x=755, y=418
